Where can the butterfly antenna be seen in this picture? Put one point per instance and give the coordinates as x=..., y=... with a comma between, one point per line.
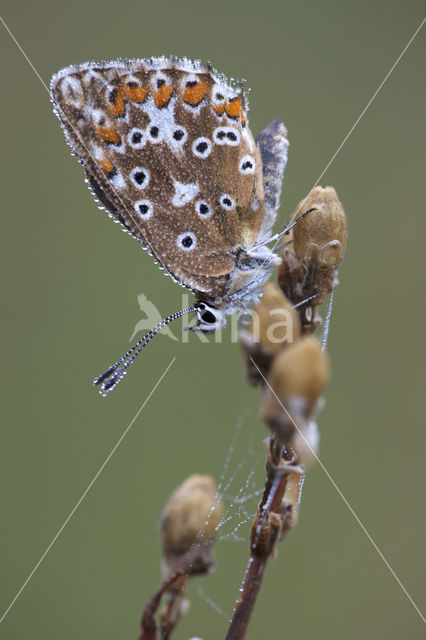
x=279, y=235
x=302, y=302
x=112, y=376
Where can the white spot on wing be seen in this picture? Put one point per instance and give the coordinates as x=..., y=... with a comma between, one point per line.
x=201, y=147
x=226, y=135
x=118, y=181
x=247, y=165
x=136, y=138
x=226, y=202
x=144, y=209
x=186, y=241
x=184, y=193
x=73, y=90
x=140, y=177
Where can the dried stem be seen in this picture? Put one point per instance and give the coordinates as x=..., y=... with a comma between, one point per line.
x=265, y=534
x=148, y=623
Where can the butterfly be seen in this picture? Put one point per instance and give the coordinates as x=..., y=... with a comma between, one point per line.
x=168, y=153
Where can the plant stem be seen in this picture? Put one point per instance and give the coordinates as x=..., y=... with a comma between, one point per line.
x=149, y=628
x=265, y=533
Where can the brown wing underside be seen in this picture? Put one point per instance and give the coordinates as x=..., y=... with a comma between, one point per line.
x=101, y=109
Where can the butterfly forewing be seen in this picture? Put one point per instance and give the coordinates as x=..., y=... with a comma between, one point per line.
x=168, y=152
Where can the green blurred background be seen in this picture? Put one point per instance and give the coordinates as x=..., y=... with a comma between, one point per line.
x=69, y=306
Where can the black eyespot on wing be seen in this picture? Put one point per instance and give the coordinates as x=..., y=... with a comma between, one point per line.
x=191, y=83
x=112, y=96
x=201, y=147
x=230, y=135
x=187, y=242
x=140, y=177
x=178, y=134
x=136, y=137
x=160, y=82
x=154, y=131
x=204, y=208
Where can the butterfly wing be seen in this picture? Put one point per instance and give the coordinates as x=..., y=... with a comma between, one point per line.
x=168, y=152
x=273, y=145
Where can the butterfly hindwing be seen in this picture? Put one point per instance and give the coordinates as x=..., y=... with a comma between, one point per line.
x=273, y=145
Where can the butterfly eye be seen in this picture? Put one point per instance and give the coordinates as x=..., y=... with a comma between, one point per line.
x=208, y=317
x=140, y=177
x=203, y=209
x=227, y=202
x=186, y=241
x=144, y=208
x=202, y=147
x=247, y=165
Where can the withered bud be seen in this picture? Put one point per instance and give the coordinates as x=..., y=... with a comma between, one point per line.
x=274, y=321
x=301, y=370
x=320, y=237
x=188, y=526
x=297, y=380
x=311, y=257
x=273, y=325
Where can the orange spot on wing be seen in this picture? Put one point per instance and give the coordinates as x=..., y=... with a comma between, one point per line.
x=108, y=134
x=243, y=118
x=106, y=166
x=234, y=108
x=117, y=106
x=219, y=109
x=194, y=95
x=163, y=95
x=137, y=94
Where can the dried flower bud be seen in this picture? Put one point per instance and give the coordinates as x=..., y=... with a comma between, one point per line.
x=320, y=237
x=188, y=525
x=301, y=370
x=311, y=257
x=297, y=378
x=273, y=325
x=274, y=322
